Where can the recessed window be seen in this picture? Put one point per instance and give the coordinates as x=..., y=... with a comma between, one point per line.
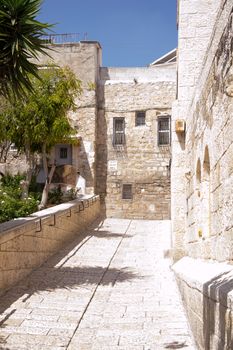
x=63, y=153
x=164, y=131
x=127, y=191
x=118, y=131
x=140, y=118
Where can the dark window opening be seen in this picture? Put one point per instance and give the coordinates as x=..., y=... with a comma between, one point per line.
x=63, y=153
x=127, y=191
x=118, y=131
x=163, y=131
x=140, y=118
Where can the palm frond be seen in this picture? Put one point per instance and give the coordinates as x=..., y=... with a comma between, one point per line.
x=20, y=42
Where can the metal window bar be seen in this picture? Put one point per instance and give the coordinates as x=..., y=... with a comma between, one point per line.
x=118, y=131
x=164, y=131
x=63, y=153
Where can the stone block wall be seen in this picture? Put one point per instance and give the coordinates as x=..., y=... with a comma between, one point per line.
x=207, y=292
x=205, y=276
x=196, y=20
x=139, y=162
x=109, y=93
x=26, y=243
x=209, y=145
x=84, y=59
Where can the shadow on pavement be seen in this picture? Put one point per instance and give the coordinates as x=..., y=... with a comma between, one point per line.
x=54, y=275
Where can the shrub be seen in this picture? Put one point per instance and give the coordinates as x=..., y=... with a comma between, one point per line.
x=11, y=205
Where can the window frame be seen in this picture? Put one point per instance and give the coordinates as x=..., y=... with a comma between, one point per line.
x=118, y=138
x=138, y=117
x=123, y=192
x=165, y=131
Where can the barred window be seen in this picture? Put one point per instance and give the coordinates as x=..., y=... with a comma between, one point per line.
x=164, y=131
x=140, y=118
x=63, y=152
x=118, y=131
x=127, y=191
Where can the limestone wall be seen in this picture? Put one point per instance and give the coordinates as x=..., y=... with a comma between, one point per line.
x=205, y=277
x=84, y=59
x=207, y=292
x=209, y=146
x=196, y=20
x=140, y=161
x=26, y=243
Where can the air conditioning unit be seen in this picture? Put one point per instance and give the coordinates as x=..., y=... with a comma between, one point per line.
x=180, y=125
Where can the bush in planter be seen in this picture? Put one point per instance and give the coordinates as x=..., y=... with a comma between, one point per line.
x=57, y=196
x=11, y=205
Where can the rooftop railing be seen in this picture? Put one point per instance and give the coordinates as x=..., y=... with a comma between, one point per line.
x=64, y=38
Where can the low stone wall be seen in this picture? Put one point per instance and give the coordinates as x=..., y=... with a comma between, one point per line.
x=26, y=243
x=207, y=292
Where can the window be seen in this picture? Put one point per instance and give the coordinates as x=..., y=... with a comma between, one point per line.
x=140, y=118
x=63, y=153
x=164, y=131
x=127, y=191
x=118, y=131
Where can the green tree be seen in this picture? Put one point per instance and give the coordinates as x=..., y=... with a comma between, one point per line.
x=39, y=121
x=20, y=42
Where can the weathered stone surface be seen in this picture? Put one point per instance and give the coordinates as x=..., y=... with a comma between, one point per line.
x=25, y=246
x=140, y=161
x=111, y=288
x=206, y=289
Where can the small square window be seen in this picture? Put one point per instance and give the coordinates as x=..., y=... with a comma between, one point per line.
x=63, y=153
x=127, y=191
x=140, y=118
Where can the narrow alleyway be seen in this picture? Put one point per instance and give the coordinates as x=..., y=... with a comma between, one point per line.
x=110, y=289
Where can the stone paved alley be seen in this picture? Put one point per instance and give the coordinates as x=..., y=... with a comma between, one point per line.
x=110, y=289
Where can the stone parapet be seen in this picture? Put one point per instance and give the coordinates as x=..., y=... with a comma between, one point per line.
x=207, y=291
x=26, y=243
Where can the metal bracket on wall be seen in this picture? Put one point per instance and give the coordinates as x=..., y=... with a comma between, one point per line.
x=81, y=206
x=38, y=225
x=54, y=221
x=68, y=215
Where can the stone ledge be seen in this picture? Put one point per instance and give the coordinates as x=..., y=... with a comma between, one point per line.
x=206, y=289
x=20, y=225
x=204, y=275
x=25, y=243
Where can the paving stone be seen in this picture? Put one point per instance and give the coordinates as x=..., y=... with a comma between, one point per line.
x=112, y=293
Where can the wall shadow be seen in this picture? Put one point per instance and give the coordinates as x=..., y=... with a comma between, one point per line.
x=216, y=319
x=101, y=141
x=84, y=166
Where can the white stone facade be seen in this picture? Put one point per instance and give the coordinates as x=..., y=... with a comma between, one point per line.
x=140, y=161
x=202, y=170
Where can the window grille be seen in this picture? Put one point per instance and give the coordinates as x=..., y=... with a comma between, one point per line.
x=63, y=153
x=118, y=131
x=140, y=118
x=127, y=191
x=163, y=131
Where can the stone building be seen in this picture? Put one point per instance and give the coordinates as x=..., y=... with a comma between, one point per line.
x=123, y=125
x=201, y=173
x=135, y=140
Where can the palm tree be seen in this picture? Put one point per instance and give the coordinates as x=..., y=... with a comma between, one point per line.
x=20, y=44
